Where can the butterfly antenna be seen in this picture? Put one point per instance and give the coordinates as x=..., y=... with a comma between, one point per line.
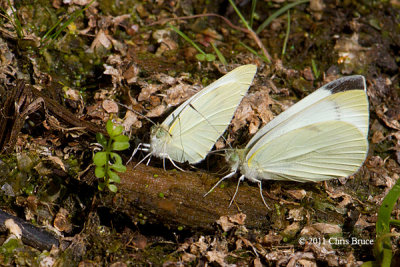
x=237, y=188
x=220, y=180
x=261, y=194
x=137, y=113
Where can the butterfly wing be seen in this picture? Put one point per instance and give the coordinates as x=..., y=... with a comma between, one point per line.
x=315, y=152
x=343, y=100
x=195, y=126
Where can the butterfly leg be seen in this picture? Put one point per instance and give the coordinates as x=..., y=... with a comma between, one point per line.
x=220, y=180
x=261, y=194
x=173, y=163
x=141, y=146
x=147, y=163
x=237, y=188
x=147, y=156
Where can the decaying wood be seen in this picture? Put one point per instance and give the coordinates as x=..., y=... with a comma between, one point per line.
x=30, y=234
x=183, y=203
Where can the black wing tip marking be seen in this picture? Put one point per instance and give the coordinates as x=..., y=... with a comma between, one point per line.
x=354, y=82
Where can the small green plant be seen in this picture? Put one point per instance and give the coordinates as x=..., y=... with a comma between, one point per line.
x=315, y=70
x=202, y=56
x=108, y=162
x=287, y=34
x=383, y=245
x=13, y=19
x=53, y=33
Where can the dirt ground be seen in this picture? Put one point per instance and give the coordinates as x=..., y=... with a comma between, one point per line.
x=67, y=67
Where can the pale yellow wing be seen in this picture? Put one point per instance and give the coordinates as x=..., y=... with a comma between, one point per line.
x=195, y=126
x=315, y=152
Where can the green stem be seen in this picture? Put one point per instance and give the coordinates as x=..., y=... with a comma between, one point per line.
x=287, y=34
x=278, y=13
x=184, y=36
x=240, y=15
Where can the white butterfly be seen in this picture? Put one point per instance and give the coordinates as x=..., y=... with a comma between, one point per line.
x=323, y=136
x=190, y=132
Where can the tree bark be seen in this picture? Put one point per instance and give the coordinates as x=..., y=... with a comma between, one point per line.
x=175, y=198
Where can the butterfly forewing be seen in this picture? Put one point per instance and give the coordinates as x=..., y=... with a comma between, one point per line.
x=197, y=124
x=349, y=106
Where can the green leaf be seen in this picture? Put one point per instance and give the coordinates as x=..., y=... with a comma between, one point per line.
x=99, y=171
x=113, y=130
x=101, y=139
x=119, y=146
x=116, y=159
x=113, y=177
x=101, y=186
x=112, y=188
x=118, y=167
x=121, y=138
x=200, y=57
x=100, y=158
x=210, y=57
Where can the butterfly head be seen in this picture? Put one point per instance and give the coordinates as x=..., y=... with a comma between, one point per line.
x=234, y=157
x=159, y=137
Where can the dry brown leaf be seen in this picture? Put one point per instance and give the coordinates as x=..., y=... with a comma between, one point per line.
x=131, y=74
x=199, y=247
x=347, y=199
x=73, y=94
x=57, y=161
x=291, y=229
x=61, y=221
x=148, y=90
x=297, y=194
x=321, y=228
x=228, y=222
x=216, y=256
x=188, y=257
x=362, y=222
x=116, y=74
x=110, y=106
x=156, y=112
x=166, y=79
x=257, y=262
x=272, y=239
x=101, y=39
x=351, y=54
x=178, y=94
x=296, y=214
x=377, y=137
x=393, y=123
x=131, y=120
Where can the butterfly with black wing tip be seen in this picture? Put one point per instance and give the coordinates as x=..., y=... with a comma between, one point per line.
x=322, y=137
x=191, y=130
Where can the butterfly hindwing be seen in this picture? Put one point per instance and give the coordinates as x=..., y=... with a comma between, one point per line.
x=315, y=152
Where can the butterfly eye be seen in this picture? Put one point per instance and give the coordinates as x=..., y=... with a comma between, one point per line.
x=160, y=133
x=234, y=157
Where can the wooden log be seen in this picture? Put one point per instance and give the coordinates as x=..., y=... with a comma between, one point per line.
x=30, y=234
x=175, y=198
